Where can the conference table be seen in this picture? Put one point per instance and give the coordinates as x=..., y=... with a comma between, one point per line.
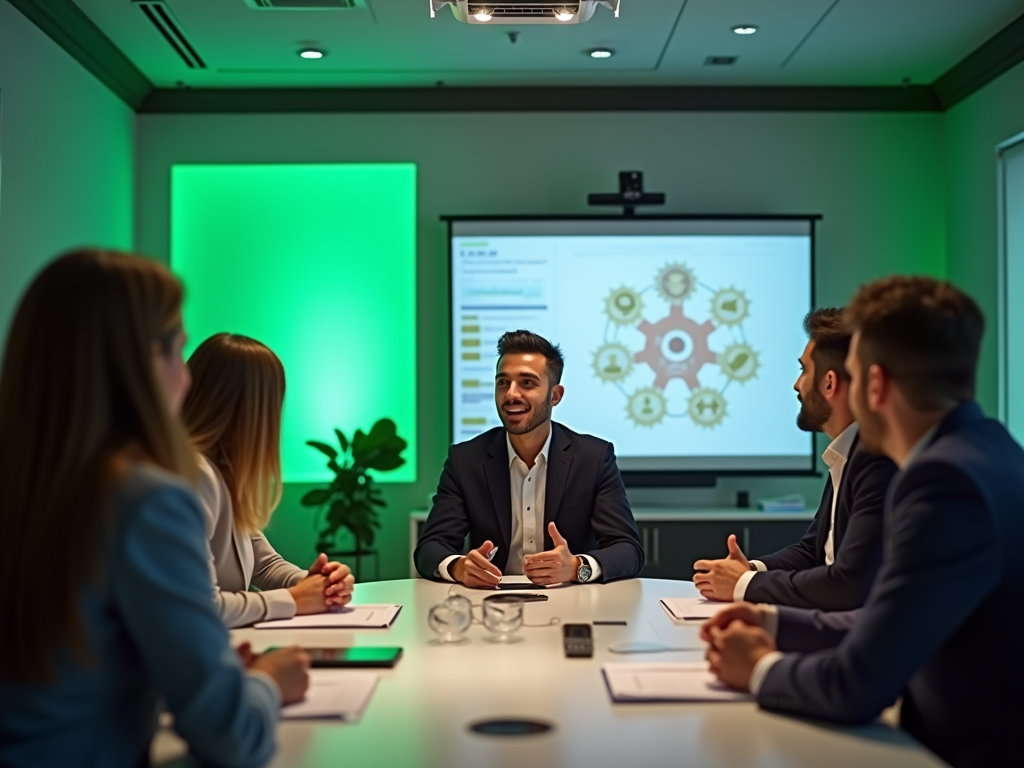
x=421, y=711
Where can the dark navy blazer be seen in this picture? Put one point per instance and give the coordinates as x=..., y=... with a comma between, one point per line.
x=943, y=624
x=585, y=498
x=797, y=575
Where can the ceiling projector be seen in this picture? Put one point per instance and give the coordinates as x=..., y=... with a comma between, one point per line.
x=523, y=11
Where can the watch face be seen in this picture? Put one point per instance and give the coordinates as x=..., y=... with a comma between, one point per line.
x=583, y=574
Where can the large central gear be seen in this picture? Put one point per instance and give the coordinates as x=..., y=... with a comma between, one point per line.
x=677, y=348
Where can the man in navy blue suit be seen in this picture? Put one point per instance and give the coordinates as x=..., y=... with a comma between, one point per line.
x=943, y=623
x=534, y=497
x=834, y=565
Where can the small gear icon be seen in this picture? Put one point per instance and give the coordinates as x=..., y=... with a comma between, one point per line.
x=623, y=306
x=647, y=407
x=739, y=362
x=675, y=283
x=613, y=362
x=730, y=306
x=677, y=348
x=706, y=408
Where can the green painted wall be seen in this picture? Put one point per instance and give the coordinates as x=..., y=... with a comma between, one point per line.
x=67, y=158
x=973, y=129
x=876, y=178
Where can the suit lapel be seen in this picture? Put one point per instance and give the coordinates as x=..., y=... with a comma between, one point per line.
x=496, y=471
x=559, y=461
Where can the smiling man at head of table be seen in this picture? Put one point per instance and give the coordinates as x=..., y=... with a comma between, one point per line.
x=532, y=488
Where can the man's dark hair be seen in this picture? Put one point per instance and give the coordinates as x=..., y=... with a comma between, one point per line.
x=925, y=333
x=526, y=343
x=827, y=328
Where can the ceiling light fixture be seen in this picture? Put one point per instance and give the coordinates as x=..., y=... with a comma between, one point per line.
x=745, y=29
x=311, y=53
x=482, y=14
x=601, y=53
x=564, y=14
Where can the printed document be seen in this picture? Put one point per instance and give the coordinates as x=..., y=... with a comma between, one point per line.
x=692, y=607
x=349, y=617
x=681, y=681
x=334, y=693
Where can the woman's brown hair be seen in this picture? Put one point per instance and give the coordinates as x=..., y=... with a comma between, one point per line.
x=78, y=392
x=233, y=416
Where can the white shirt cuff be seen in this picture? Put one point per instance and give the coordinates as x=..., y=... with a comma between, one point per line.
x=271, y=683
x=771, y=619
x=595, y=567
x=764, y=664
x=279, y=604
x=761, y=567
x=442, y=569
x=740, y=589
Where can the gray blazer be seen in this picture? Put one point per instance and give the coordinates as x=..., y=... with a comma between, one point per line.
x=238, y=560
x=155, y=641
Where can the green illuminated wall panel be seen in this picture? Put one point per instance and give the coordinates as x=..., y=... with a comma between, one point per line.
x=319, y=263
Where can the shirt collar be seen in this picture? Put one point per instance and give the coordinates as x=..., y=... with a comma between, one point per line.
x=512, y=455
x=839, y=449
x=919, y=446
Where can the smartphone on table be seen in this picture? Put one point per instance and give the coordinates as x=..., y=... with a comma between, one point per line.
x=363, y=656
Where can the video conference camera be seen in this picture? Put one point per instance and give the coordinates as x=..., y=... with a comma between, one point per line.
x=631, y=194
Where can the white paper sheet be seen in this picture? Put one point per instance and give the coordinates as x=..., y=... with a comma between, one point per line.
x=349, y=617
x=334, y=693
x=521, y=580
x=692, y=607
x=681, y=681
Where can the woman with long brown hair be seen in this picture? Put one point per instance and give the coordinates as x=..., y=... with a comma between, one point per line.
x=104, y=589
x=233, y=417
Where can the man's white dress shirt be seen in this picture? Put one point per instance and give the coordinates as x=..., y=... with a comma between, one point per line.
x=835, y=457
x=529, y=489
x=771, y=623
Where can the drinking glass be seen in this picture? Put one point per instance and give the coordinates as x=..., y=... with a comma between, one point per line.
x=451, y=619
x=503, y=616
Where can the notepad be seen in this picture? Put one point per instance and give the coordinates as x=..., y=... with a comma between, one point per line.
x=335, y=694
x=692, y=607
x=681, y=681
x=349, y=617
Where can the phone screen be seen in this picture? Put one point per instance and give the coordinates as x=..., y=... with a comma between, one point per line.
x=365, y=656
x=581, y=631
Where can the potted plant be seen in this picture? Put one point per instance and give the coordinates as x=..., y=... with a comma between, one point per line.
x=351, y=500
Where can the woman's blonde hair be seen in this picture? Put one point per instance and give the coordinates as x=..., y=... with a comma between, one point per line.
x=78, y=393
x=233, y=416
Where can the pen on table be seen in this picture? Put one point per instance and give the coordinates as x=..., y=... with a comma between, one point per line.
x=616, y=623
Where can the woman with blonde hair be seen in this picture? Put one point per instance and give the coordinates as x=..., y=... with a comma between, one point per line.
x=104, y=590
x=233, y=416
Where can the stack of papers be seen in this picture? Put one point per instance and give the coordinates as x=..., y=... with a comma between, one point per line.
x=334, y=693
x=349, y=617
x=793, y=503
x=682, y=681
x=682, y=608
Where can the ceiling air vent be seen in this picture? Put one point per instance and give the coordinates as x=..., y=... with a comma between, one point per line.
x=167, y=25
x=304, y=5
x=720, y=61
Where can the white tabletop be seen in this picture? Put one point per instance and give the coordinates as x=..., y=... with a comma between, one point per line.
x=420, y=712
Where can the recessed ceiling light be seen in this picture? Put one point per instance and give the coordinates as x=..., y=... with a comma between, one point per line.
x=311, y=53
x=482, y=14
x=564, y=14
x=746, y=29
x=601, y=53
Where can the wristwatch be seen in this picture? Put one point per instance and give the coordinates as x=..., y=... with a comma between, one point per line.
x=584, y=572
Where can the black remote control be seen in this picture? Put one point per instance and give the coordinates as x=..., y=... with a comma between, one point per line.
x=578, y=641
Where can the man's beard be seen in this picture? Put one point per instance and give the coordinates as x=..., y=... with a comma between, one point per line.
x=540, y=414
x=814, y=412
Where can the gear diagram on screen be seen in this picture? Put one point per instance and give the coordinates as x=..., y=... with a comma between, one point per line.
x=676, y=347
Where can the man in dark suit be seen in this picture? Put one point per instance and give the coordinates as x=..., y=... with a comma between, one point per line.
x=531, y=493
x=833, y=566
x=943, y=623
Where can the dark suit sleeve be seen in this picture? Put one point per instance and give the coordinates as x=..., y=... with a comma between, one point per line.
x=941, y=561
x=845, y=584
x=447, y=524
x=798, y=556
x=619, y=552
x=804, y=631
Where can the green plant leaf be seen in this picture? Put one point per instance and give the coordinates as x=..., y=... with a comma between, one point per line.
x=324, y=448
x=342, y=440
x=359, y=445
x=316, y=497
x=382, y=430
x=377, y=501
x=385, y=462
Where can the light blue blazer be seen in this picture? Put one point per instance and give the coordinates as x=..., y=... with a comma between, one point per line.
x=156, y=639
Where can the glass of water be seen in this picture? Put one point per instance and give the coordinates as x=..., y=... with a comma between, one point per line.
x=503, y=616
x=451, y=619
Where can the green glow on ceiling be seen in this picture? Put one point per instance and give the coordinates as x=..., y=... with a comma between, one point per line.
x=319, y=263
